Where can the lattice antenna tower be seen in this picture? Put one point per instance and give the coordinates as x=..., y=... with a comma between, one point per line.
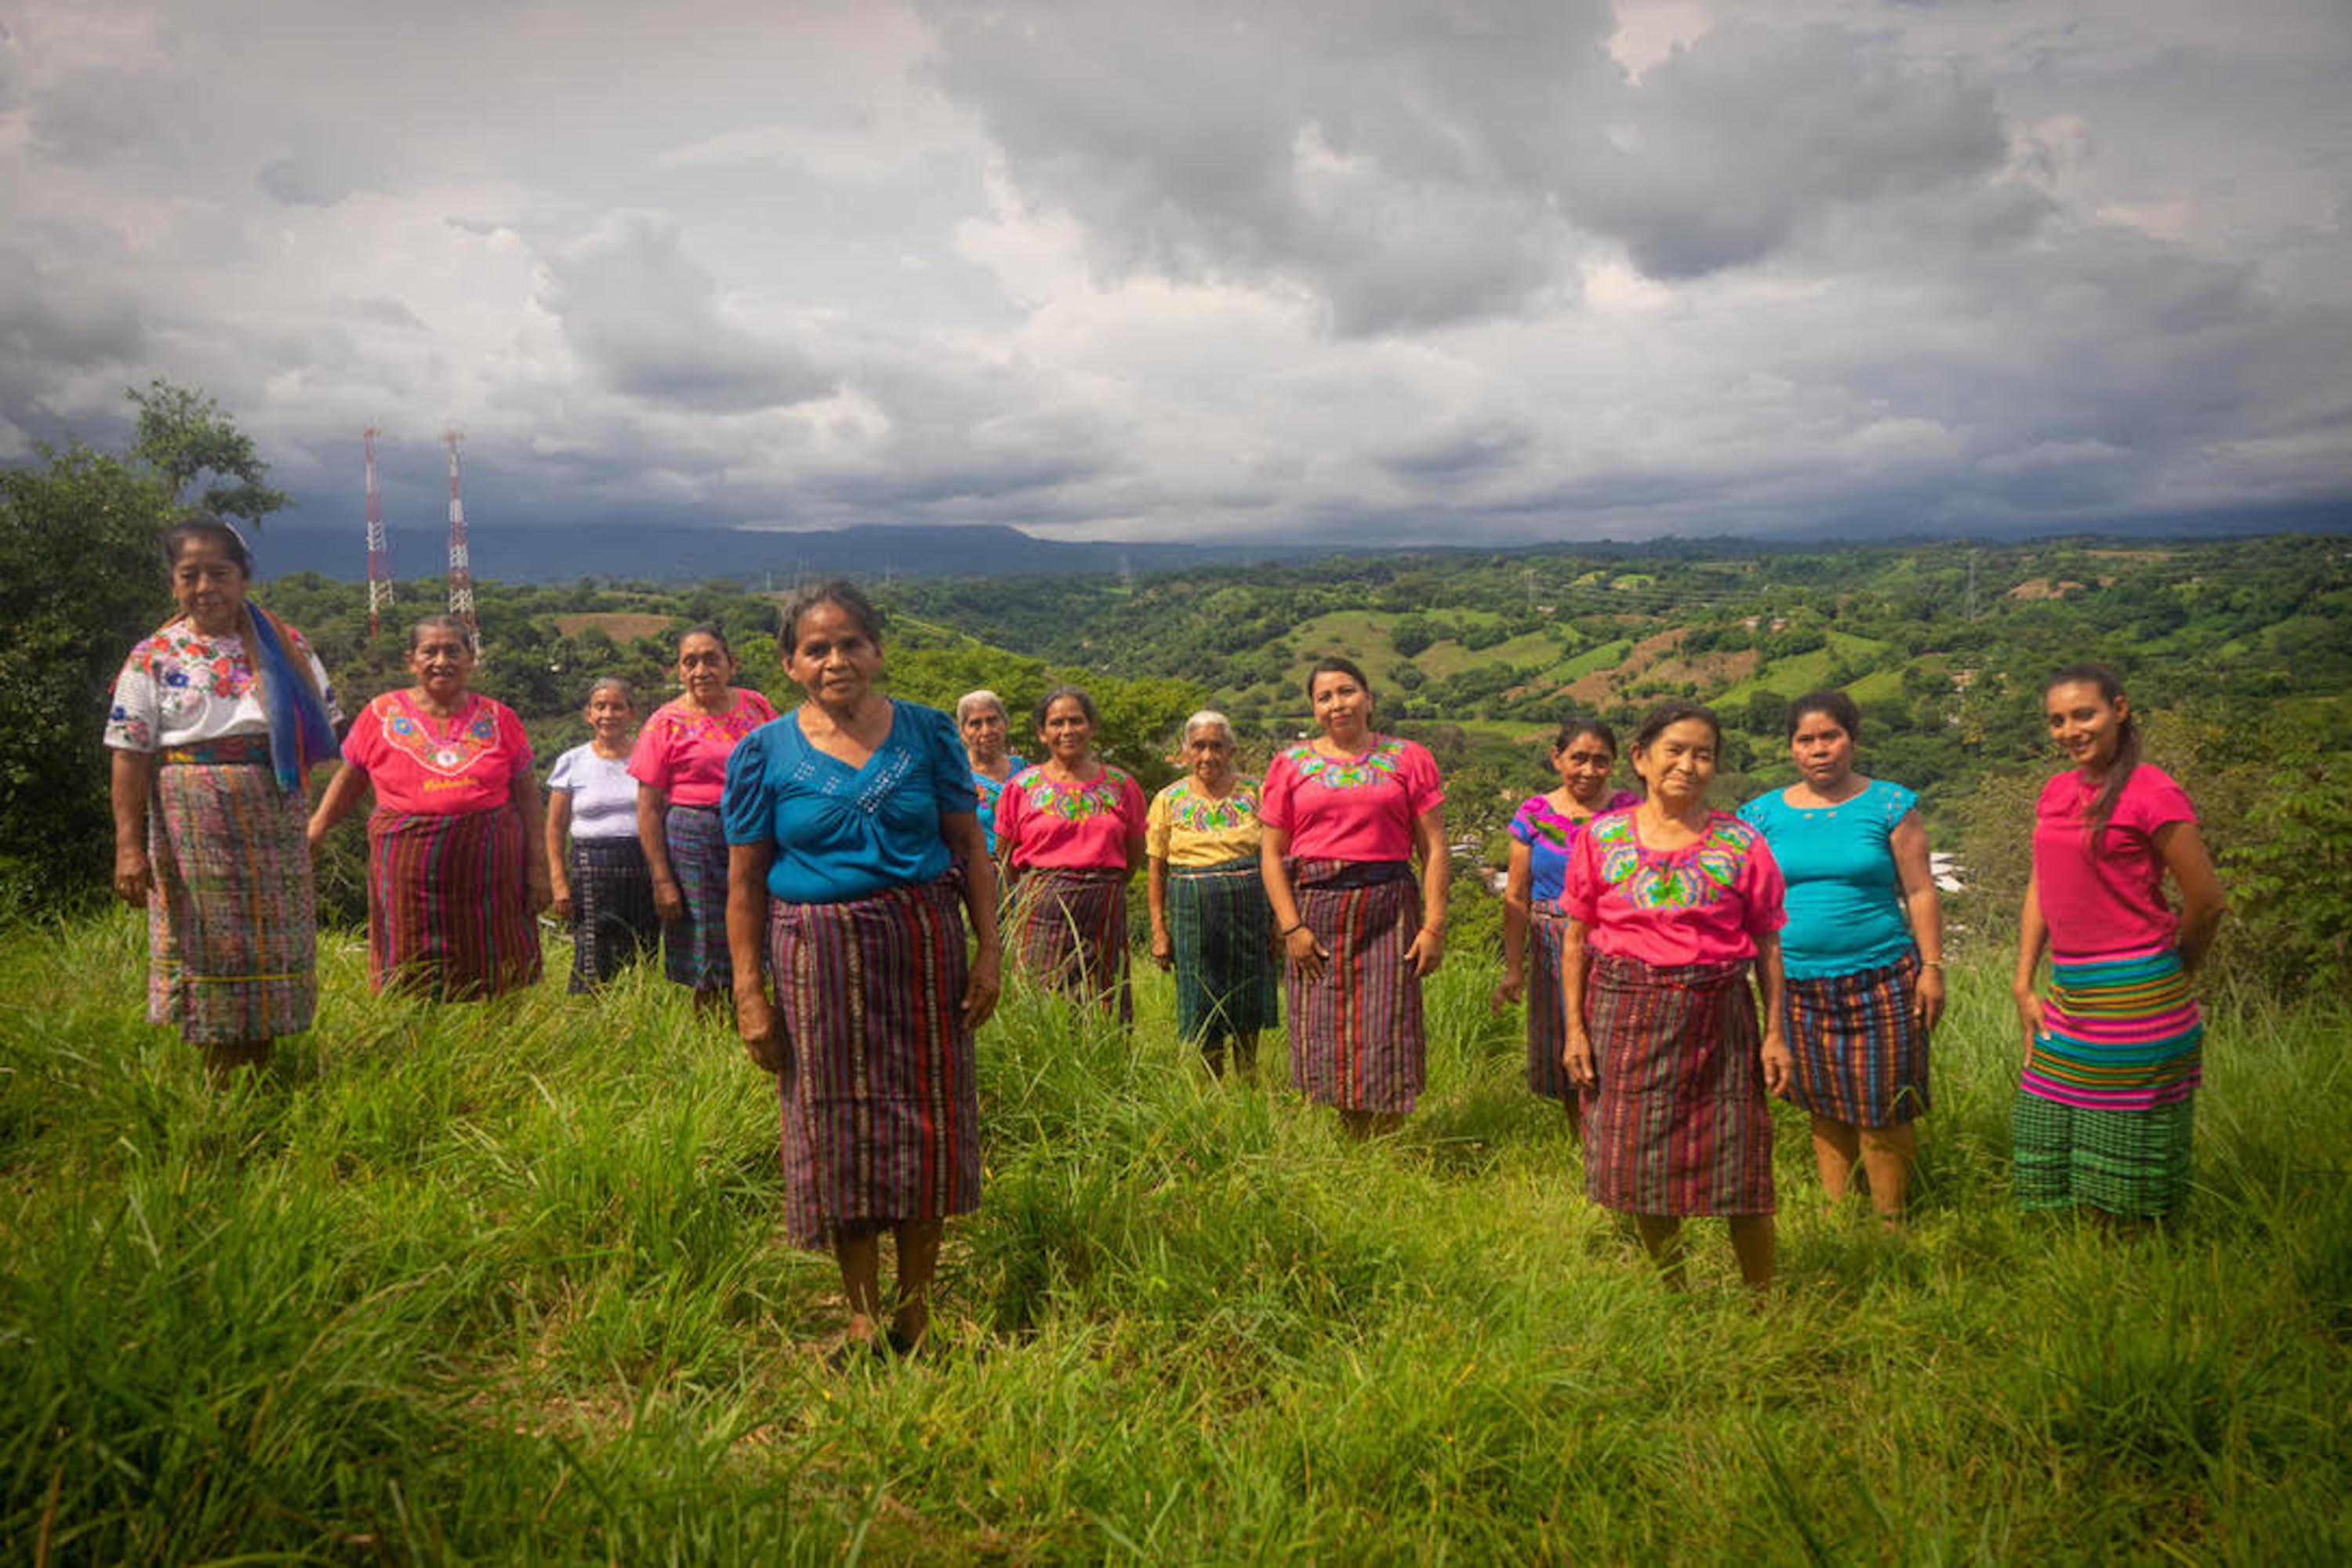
x=379, y=551
x=461, y=560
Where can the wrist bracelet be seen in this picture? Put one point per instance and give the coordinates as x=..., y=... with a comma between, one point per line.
x=1300, y=926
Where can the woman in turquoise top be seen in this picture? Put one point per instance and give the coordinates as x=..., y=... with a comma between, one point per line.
x=1864, y=950
x=980, y=720
x=853, y=860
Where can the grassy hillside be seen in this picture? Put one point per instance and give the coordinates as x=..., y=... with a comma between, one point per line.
x=504, y=1283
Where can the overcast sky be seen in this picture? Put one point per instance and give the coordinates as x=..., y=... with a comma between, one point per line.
x=1355, y=270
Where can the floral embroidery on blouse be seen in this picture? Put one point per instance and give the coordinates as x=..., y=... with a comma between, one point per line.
x=470, y=737
x=1353, y=773
x=1072, y=803
x=1678, y=878
x=724, y=728
x=1198, y=814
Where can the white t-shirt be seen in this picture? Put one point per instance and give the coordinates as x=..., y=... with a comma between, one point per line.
x=603, y=795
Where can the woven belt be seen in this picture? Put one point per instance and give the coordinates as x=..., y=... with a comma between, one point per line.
x=225, y=749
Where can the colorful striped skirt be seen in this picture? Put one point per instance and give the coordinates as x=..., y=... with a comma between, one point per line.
x=1227, y=979
x=1862, y=1056
x=449, y=904
x=231, y=925
x=2105, y=1108
x=1548, y=1012
x=694, y=947
x=1073, y=926
x=1682, y=1124
x=1356, y=1038
x=881, y=1112
x=613, y=908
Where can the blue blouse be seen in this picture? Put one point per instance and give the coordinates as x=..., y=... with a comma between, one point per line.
x=990, y=789
x=1845, y=897
x=836, y=832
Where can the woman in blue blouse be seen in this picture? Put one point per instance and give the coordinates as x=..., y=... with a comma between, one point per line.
x=980, y=720
x=854, y=858
x=1863, y=949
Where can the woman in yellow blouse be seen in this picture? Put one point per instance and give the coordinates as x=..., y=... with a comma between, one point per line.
x=1210, y=921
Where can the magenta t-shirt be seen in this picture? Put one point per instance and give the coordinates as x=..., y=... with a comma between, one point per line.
x=1706, y=902
x=683, y=754
x=1088, y=826
x=1359, y=808
x=2112, y=901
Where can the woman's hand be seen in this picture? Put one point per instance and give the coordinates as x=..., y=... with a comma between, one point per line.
x=132, y=876
x=983, y=986
x=1780, y=1066
x=1509, y=990
x=1929, y=1002
x=2028, y=1017
x=1163, y=947
x=558, y=897
x=1427, y=951
x=1304, y=953
x=1576, y=1055
x=755, y=1021
x=668, y=903
x=536, y=890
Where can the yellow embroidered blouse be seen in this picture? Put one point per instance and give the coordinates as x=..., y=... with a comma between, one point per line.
x=1188, y=828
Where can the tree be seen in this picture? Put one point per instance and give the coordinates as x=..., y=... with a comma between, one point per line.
x=80, y=581
x=182, y=436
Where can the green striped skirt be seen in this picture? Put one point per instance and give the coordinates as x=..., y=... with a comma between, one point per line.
x=1227, y=979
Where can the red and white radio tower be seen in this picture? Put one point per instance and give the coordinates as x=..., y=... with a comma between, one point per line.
x=379, y=552
x=461, y=562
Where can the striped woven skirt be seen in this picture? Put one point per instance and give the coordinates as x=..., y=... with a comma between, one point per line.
x=1682, y=1124
x=1547, y=1012
x=613, y=908
x=231, y=926
x=881, y=1112
x=1073, y=926
x=449, y=904
x=2105, y=1108
x=1862, y=1056
x=694, y=947
x=1227, y=982
x=1356, y=1037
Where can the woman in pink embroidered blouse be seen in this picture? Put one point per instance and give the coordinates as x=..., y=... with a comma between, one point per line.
x=1070, y=834
x=457, y=846
x=680, y=766
x=1669, y=904
x=1344, y=815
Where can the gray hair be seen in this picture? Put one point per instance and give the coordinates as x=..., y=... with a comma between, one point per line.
x=1210, y=719
x=983, y=697
x=613, y=683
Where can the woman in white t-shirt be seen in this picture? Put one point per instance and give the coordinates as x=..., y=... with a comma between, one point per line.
x=603, y=885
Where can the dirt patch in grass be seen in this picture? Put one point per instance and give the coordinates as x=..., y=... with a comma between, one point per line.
x=623, y=626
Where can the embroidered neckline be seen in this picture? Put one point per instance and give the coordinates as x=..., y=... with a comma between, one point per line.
x=1350, y=772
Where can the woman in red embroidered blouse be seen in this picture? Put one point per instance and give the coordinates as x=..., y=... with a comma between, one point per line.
x=1070, y=833
x=457, y=847
x=680, y=766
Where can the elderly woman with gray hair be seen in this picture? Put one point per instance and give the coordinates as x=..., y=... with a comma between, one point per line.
x=985, y=729
x=1210, y=919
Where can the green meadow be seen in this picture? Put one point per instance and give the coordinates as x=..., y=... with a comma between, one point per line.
x=506, y=1283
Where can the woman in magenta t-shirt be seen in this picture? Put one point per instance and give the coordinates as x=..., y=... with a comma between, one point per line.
x=456, y=851
x=1343, y=816
x=2106, y=1102
x=680, y=766
x=1669, y=905
x=1070, y=833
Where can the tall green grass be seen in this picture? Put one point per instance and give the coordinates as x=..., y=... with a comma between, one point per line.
x=506, y=1282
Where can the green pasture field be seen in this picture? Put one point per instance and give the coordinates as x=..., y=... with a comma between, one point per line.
x=504, y=1283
